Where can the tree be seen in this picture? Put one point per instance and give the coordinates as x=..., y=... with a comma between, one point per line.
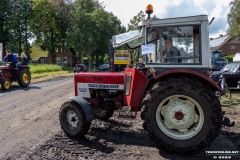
x=5, y=22
x=63, y=12
x=81, y=34
x=44, y=26
x=107, y=25
x=135, y=21
x=20, y=24
x=234, y=19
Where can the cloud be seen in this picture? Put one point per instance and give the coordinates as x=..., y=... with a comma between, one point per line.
x=126, y=10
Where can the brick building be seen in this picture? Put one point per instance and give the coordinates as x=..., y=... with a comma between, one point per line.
x=68, y=58
x=228, y=45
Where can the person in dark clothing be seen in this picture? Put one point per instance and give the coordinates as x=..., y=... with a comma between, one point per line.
x=140, y=64
x=10, y=58
x=170, y=53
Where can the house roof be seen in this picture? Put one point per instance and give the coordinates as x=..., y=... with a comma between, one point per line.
x=37, y=52
x=219, y=41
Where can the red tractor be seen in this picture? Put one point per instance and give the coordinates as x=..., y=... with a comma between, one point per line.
x=178, y=101
x=21, y=74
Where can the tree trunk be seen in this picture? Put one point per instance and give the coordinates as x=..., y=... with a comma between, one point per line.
x=52, y=48
x=62, y=52
x=26, y=40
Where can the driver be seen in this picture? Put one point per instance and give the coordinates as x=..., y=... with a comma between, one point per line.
x=170, y=53
x=10, y=58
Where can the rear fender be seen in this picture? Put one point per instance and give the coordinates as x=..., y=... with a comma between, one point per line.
x=84, y=105
x=189, y=73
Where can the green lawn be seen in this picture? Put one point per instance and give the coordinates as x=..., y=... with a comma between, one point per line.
x=43, y=72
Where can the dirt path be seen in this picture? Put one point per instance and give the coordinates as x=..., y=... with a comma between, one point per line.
x=30, y=130
x=30, y=116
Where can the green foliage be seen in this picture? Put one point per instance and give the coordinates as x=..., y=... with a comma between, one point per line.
x=234, y=19
x=41, y=68
x=229, y=58
x=6, y=14
x=58, y=25
x=135, y=21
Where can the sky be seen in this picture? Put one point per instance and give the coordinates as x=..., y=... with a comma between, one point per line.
x=127, y=9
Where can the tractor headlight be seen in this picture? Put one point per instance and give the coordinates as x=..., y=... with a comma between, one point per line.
x=128, y=79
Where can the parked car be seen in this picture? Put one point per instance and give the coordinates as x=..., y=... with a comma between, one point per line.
x=104, y=67
x=80, y=68
x=231, y=73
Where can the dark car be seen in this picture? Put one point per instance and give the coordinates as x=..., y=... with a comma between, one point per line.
x=104, y=67
x=231, y=73
x=80, y=68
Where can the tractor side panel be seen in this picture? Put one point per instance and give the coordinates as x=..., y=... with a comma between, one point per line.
x=97, y=80
x=137, y=87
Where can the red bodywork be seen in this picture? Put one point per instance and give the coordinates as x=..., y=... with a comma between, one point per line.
x=98, y=78
x=7, y=71
x=138, y=83
x=137, y=89
x=190, y=73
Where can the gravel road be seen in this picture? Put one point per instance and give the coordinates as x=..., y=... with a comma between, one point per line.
x=30, y=130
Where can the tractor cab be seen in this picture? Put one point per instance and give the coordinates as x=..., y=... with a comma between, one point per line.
x=172, y=43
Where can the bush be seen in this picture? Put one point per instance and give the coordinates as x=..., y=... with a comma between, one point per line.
x=229, y=58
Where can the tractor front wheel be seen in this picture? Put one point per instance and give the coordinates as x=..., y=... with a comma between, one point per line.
x=181, y=114
x=73, y=120
x=6, y=84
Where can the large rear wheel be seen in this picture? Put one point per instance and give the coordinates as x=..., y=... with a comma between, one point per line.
x=181, y=114
x=24, y=77
x=73, y=120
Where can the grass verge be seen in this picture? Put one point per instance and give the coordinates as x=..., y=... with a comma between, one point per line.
x=45, y=72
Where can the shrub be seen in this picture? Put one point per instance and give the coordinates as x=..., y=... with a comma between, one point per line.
x=229, y=58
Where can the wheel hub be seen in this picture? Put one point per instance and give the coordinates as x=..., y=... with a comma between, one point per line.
x=72, y=119
x=179, y=116
x=7, y=84
x=25, y=78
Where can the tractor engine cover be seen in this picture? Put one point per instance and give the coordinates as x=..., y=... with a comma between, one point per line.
x=85, y=81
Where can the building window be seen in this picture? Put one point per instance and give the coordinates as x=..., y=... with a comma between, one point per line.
x=232, y=47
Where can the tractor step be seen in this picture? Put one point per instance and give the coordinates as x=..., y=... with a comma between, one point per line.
x=126, y=112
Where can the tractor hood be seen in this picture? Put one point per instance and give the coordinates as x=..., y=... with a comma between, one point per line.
x=98, y=80
x=5, y=67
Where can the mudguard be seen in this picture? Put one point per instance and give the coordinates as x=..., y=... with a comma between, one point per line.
x=85, y=106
